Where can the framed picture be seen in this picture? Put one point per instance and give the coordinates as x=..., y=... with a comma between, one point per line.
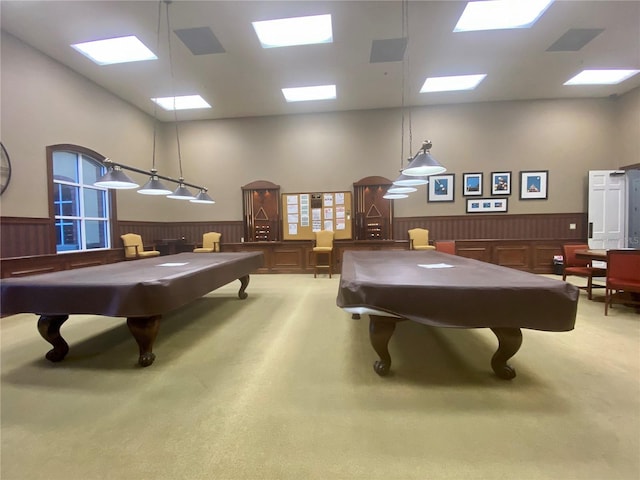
x=500, y=183
x=485, y=205
x=533, y=184
x=440, y=188
x=472, y=184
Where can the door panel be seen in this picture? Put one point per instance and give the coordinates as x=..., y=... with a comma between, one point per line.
x=607, y=209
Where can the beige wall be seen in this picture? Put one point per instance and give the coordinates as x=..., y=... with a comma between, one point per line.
x=628, y=128
x=44, y=103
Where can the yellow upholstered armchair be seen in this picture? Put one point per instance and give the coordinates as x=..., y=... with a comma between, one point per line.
x=323, y=247
x=134, y=248
x=419, y=239
x=210, y=243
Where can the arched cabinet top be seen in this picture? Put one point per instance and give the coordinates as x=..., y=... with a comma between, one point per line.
x=261, y=185
x=375, y=180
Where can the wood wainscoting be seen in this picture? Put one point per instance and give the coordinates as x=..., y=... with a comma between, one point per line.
x=525, y=242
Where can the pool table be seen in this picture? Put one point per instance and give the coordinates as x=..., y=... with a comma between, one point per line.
x=141, y=290
x=444, y=290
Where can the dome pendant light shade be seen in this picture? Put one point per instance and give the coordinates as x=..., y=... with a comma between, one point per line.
x=424, y=164
x=401, y=189
x=115, y=178
x=203, y=197
x=154, y=186
x=406, y=181
x=395, y=196
x=181, y=193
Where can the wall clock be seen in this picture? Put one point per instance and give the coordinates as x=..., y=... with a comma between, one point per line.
x=5, y=169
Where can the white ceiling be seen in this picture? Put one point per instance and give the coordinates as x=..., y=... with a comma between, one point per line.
x=246, y=79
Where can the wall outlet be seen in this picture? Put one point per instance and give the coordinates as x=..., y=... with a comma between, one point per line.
x=572, y=226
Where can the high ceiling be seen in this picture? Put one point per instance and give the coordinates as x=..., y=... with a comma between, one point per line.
x=246, y=80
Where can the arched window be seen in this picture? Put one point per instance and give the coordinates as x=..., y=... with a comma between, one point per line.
x=82, y=213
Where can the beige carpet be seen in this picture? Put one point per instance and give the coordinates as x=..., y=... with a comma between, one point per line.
x=281, y=386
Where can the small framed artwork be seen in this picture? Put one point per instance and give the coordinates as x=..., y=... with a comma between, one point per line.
x=486, y=205
x=500, y=183
x=533, y=184
x=440, y=188
x=472, y=184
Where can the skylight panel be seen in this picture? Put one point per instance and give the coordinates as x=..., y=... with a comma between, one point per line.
x=294, y=31
x=303, y=94
x=115, y=50
x=185, y=102
x=601, y=77
x=453, y=83
x=501, y=14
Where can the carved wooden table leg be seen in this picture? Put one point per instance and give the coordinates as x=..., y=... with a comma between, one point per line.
x=49, y=328
x=380, y=331
x=145, y=331
x=509, y=341
x=244, y=283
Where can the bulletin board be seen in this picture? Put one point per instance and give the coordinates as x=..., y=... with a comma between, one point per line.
x=303, y=214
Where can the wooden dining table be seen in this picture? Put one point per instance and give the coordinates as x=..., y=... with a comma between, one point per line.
x=593, y=254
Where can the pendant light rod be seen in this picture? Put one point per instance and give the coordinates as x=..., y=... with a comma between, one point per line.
x=110, y=163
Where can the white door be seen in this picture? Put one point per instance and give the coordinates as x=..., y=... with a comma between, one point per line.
x=607, y=209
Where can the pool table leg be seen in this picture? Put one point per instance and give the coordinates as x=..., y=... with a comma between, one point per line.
x=145, y=331
x=509, y=341
x=49, y=328
x=244, y=281
x=380, y=331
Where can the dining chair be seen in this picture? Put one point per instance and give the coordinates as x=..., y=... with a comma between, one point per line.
x=623, y=278
x=445, y=246
x=323, y=247
x=210, y=243
x=134, y=248
x=581, y=267
x=419, y=239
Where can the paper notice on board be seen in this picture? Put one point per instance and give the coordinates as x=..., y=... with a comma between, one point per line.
x=327, y=200
x=292, y=208
x=316, y=214
x=292, y=218
x=340, y=224
x=317, y=226
x=328, y=225
x=304, y=199
x=339, y=198
x=292, y=199
x=328, y=213
x=293, y=229
x=304, y=220
x=339, y=212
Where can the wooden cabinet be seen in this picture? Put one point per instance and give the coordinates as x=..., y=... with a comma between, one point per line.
x=261, y=212
x=373, y=213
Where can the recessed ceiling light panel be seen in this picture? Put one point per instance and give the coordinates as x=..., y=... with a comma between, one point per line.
x=303, y=94
x=501, y=14
x=294, y=31
x=185, y=102
x=115, y=50
x=601, y=77
x=448, y=84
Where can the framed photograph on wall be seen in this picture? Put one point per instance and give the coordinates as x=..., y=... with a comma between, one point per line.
x=500, y=183
x=486, y=205
x=533, y=184
x=440, y=188
x=472, y=184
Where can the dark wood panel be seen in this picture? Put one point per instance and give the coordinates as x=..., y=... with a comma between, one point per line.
x=32, y=265
x=25, y=236
x=480, y=226
x=514, y=256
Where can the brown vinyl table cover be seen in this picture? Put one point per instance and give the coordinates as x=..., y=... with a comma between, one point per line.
x=136, y=288
x=468, y=294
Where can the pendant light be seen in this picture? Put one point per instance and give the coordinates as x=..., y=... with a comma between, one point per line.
x=154, y=186
x=423, y=163
x=115, y=178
